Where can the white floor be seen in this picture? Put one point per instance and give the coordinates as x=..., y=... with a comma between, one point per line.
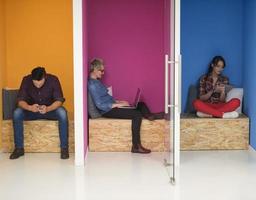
x=208, y=175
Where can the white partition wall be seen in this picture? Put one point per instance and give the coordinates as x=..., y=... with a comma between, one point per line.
x=178, y=67
x=80, y=146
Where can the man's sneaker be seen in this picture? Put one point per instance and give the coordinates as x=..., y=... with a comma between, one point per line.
x=17, y=153
x=201, y=114
x=230, y=115
x=64, y=153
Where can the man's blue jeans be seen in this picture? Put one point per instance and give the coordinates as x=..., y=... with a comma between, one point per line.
x=21, y=115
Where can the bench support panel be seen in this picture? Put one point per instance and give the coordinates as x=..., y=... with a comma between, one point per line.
x=39, y=136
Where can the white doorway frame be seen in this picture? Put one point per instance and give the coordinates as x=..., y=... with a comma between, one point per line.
x=177, y=89
x=78, y=82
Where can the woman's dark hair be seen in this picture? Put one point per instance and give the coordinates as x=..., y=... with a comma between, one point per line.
x=38, y=73
x=214, y=62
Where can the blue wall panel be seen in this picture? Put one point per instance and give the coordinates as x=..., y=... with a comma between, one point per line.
x=249, y=71
x=209, y=28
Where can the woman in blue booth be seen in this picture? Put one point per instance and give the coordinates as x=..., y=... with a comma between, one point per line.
x=111, y=108
x=212, y=96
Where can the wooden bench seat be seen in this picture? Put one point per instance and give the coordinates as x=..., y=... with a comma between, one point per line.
x=109, y=135
x=114, y=135
x=39, y=136
x=214, y=133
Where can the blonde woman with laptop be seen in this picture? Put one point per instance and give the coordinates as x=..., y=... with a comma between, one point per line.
x=111, y=108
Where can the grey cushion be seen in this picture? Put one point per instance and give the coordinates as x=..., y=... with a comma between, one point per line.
x=9, y=102
x=236, y=93
x=92, y=109
x=192, y=95
x=228, y=88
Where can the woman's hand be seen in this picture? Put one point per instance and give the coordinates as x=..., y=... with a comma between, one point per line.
x=206, y=96
x=220, y=88
x=120, y=104
x=123, y=103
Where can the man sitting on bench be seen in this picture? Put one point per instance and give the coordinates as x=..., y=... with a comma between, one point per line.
x=40, y=97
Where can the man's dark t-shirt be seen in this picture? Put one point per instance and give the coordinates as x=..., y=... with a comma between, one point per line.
x=50, y=92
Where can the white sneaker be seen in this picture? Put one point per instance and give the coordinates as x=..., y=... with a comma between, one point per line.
x=230, y=115
x=201, y=114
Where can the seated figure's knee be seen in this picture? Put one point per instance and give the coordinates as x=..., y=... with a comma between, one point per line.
x=141, y=103
x=137, y=114
x=196, y=103
x=236, y=102
x=61, y=113
x=18, y=114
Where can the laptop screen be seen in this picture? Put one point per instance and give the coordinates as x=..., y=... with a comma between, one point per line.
x=137, y=97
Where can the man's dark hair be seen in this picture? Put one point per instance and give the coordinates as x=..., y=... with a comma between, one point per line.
x=38, y=73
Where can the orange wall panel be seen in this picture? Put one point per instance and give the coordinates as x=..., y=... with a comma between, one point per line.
x=2, y=59
x=39, y=33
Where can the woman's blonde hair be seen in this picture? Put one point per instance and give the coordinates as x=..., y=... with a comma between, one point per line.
x=96, y=63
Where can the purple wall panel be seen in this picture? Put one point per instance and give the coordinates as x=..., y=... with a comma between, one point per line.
x=85, y=71
x=129, y=36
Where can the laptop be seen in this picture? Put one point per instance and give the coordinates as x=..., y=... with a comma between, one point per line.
x=136, y=101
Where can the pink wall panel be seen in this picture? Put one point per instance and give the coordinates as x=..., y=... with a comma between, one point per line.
x=168, y=39
x=129, y=36
x=85, y=61
x=167, y=25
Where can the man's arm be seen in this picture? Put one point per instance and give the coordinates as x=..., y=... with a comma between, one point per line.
x=24, y=105
x=54, y=106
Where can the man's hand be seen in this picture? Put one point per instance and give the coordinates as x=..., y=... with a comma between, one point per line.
x=43, y=109
x=34, y=108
